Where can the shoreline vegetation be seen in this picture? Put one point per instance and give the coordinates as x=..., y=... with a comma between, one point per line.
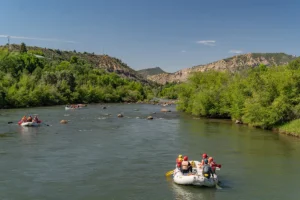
x=266, y=97
x=30, y=79
x=262, y=97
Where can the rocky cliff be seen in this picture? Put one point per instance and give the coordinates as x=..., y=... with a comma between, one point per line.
x=231, y=64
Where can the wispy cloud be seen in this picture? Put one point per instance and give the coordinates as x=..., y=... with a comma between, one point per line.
x=236, y=51
x=35, y=38
x=207, y=42
x=183, y=51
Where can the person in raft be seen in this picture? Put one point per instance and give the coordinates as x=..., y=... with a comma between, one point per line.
x=24, y=119
x=179, y=159
x=186, y=165
x=207, y=170
x=35, y=119
x=204, y=157
x=212, y=164
x=29, y=119
x=178, y=165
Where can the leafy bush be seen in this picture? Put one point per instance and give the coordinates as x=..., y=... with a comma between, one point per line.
x=262, y=96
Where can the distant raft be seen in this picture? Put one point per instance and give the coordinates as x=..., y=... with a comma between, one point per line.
x=76, y=106
x=31, y=124
x=195, y=178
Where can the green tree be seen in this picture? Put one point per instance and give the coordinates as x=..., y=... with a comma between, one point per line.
x=23, y=48
x=74, y=60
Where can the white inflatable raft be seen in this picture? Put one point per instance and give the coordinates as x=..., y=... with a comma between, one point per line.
x=30, y=124
x=73, y=108
x=68, y=108
x=195, y=178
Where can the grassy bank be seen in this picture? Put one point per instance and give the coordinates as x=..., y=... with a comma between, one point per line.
x=290, y=128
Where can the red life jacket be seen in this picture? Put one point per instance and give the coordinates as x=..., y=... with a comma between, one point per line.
x=213, y=164
x=179, y=160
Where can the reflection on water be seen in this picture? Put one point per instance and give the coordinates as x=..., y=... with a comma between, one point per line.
x=28, y=133
x=192, y=192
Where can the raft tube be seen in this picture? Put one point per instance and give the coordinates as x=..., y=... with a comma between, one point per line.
x=30, y=124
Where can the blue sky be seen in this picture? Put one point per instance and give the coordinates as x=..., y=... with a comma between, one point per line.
x=171, y=34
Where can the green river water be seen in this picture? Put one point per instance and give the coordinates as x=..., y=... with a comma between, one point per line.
x=100, y=156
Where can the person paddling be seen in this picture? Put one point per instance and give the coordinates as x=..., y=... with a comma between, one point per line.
x=24, y=119
x=29, y=119
x=35, y=119
x=204, y=157
x=179, y=159
x=212, y=164
x=186, y=165
x=207, y=170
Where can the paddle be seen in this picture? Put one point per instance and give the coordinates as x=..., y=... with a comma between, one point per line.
x=169, y=173
x=12, y=122
x=218, y=187
x=45, y=124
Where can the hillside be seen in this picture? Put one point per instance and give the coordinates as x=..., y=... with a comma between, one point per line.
x=110, y=64
x=33, y=76
x=151, y=71
x=232, y=64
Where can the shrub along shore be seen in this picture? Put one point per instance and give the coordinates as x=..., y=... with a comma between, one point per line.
x=263, y=97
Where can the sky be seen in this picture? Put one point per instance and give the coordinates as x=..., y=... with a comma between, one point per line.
x=171, y=34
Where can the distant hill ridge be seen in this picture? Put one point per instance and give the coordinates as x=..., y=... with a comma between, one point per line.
x=232, y=64
x=151, y=71
x=105, y=62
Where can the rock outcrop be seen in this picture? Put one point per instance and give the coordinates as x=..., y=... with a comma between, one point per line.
x=232, y=64
x=63, y=121
x=150, y=71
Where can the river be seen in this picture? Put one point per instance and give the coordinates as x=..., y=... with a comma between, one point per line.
x=100, y=156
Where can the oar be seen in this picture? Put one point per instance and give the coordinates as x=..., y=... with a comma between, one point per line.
x=12, y=122
x=218, y=187
x=169, y=173
x=45, y=123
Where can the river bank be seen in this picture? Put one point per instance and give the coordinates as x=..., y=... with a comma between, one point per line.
x=291, y=128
